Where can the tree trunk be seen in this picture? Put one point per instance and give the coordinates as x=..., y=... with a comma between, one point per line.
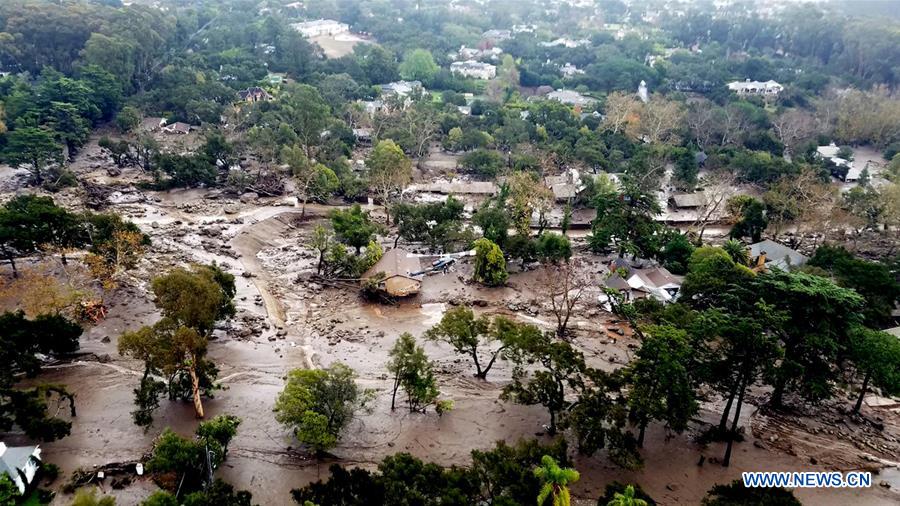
x=478, y=372
x=737, y=414
x=12, y=263
x=723, y=422
x=778, y=392
x=862, y=392
x=394, y=394
x=552, y=429
x=640, y=439
x=195, y=386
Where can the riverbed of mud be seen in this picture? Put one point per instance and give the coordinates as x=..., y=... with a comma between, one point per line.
x=285, y=321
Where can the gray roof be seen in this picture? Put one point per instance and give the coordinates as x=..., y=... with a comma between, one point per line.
x=395, y=262
x=15, y=457
x=688, y=200
x=778, y=255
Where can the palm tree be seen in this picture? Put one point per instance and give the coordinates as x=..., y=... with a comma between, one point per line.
x=555, y=480
x=626, y=498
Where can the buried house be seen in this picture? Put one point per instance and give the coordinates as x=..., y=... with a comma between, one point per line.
x=397, y=274
x=653, y=282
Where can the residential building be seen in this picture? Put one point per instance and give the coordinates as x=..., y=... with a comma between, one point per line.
x=687, y=200
x=400, y=88
x=497, y=35
x=254, y=94
x=397, y=274
x=566, y=42
x=633, y=283
x=20, y=463
x=749, y=87
x=176, y=128
x=569, y=70
x=321, y=27
x=474, y=69
x=571, y=97
x=767, y=254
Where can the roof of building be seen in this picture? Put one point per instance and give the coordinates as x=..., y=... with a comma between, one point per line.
x=178, y=127
x=754, y=85
x=778, y=255
x=616, y=282
x=570, y=97
x=894, y=331
x=396, y=262
x=656, y=277
x=15, y=457
x=829, y=151
x=688, y=199
x=458, y=187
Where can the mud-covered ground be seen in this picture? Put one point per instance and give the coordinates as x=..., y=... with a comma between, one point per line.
x=286, y=322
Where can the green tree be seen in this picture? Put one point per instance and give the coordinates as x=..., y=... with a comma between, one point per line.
x=412, y=371
x=321, y=241
x=21, y=340
x=661, y=386
x=737, y=251
x=632, y=495
x=175, y=347
x=313, y=180
x=626, y=220
x=553, y=248
x=33, y=148
x=390, y=170
x=494, y=222
x=751, y=218
x=128, y=119
x=490, y=266
x=418, y=65
x=877, y=358
x=460, y=329
x=626, y=497
x=89, y=497
x=304, y=109
x=555, y=481
x=736, y=494
x=353, y=227
x=560, y=367
x=484, y=162
x=9, y=492
x=319, y=404
x=221, y=429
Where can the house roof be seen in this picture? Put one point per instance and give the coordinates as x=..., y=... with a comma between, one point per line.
x=778, y=255
x=15, y=457
x=458, y=187
x=656, y=277
x=616, y=282
x=688, y=200
x=396, y=262
x=829, y=151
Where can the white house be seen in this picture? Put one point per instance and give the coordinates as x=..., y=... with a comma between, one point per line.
x=400, y=88
x=655, y=282
x=570, y=97
x=321, y=27
x=474, y=69
x=20, y=463
x=749, y=87
x=569, y=70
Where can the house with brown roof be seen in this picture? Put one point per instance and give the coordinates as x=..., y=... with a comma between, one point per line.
x=397, y=274
x=254, y=94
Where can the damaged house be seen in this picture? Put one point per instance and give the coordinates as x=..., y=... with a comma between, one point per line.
x=397, y=274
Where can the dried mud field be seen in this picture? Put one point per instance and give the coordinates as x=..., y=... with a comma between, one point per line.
x=286, y=321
